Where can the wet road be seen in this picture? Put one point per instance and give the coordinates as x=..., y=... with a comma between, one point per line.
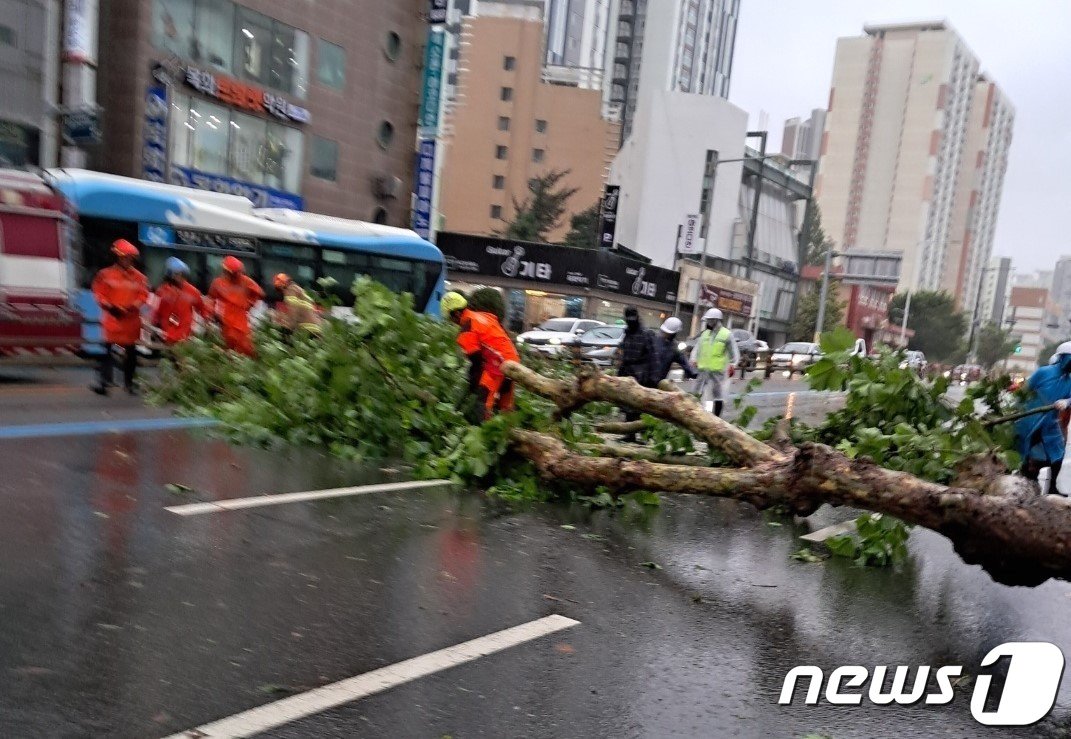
x=120, y=618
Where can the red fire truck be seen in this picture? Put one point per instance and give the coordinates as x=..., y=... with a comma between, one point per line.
x=38, y=263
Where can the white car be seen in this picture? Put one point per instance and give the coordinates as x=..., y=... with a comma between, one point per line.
x=554, y=333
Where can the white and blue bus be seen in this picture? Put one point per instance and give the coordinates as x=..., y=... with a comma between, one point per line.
x=202, y=228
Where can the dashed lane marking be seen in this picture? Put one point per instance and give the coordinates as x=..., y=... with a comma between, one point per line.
x=234, y=504
x=267, y=717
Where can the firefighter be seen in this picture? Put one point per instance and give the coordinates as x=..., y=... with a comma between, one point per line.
x=234, y=294
x=488, y=346
x=178, y=301
x=296, y=310
x=121, y=291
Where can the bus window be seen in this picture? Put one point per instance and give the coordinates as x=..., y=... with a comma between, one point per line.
x=215, y=266
x=98, y=234
x=154, y=259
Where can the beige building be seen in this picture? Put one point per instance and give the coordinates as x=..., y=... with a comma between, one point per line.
x=1030, y=311
x=914, y=153
x=511, y=122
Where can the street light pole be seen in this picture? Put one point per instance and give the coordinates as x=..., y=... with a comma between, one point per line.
x=972, y=342
x=820, y=323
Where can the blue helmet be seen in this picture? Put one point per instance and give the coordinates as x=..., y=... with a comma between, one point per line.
x=174, y=266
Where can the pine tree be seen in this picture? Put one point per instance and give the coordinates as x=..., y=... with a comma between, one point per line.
x=541, y=212
x=584, y=232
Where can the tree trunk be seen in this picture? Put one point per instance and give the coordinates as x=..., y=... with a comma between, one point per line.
x=1016, y=535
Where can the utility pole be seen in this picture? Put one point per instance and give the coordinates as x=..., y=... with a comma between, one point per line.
x=820, y=323
x=753, y=225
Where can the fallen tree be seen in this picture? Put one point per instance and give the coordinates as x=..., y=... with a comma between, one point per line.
x=387, y=386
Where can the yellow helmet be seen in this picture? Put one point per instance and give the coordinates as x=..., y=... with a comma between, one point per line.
x=451, y=302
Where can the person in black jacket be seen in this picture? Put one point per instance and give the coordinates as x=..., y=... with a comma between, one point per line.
x=668, y=353
x=637, y=357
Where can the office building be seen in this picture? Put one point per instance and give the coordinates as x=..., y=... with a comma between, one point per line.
x=996, y=284
x=1030, y=312
x=802, y=138
x=29, y=73
x=291, y=104
x=694, y=51
x=913, y=154
x=509, y=125
x=1061, y=284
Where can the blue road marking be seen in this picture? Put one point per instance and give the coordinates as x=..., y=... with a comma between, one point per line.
x=86, y=428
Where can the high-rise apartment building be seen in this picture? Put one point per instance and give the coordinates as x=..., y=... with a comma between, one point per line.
x=509, y=125
x=802, y=138
x=700, y=53
x=996, y=283
x=576, y=33
x=914, y=153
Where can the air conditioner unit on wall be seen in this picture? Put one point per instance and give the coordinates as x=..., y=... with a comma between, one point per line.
x=387, y=187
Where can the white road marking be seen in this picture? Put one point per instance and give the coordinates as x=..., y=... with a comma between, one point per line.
x=196, y=509
x=271, y=715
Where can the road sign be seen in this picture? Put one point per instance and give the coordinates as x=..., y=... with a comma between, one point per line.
x=81, y=127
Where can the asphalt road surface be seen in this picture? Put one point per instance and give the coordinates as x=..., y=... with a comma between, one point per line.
x=120, y=617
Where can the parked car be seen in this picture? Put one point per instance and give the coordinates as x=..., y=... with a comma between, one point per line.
x=550, y=336
x=916, y=360
x=600, y=344
x=795, y=356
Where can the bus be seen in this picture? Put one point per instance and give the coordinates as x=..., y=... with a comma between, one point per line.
x=202, y=228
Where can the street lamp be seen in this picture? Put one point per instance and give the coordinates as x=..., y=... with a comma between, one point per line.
x=972, y=341
x=820, y=323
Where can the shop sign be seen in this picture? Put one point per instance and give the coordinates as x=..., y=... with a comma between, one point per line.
x=81, y=127
x=557, y=265
x=437, y=10
x=78, y=33
x=154, y=152
x=262, y=197
x=432, y=81
x=241, y=95
x=608, y=216
x=726, y=300
x=689, y=240
x=425, y=181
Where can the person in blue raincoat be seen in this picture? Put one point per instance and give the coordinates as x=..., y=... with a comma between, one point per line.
x=1039, y=438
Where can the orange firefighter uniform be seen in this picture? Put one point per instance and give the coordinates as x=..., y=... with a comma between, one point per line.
x=234, y=294
x=488, y=346
x=121, y=293
x=177, y=303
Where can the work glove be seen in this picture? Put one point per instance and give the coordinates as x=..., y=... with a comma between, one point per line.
x=1062, y=405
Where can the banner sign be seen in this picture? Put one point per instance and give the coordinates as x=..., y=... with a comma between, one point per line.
x=78, y=32
x=262, y=197
x=608, y=216
x=437, y=11
x=690, y=236
x=155, y=234
x=81, y=127
x=154, y=153
x=432, y=81
x=726, y=300
x=241, y=95
x=425, y=179
x=557, y=265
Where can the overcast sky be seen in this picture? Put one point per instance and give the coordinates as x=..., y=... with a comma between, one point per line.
x=784, y=62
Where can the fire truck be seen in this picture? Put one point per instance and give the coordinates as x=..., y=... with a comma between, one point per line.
x=38, y=269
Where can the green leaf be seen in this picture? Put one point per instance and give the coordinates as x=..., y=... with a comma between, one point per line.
x=840, y=339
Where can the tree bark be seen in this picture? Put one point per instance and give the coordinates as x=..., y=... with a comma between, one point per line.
x=1017, y=536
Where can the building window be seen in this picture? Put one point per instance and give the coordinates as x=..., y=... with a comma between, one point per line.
x=385, y=135
x=379, y=215
x=213, y=35
x=330, y=64
x=503, y=123
x=7, y=35
x=506, y=94
x=501, y=152
x=541, y=126
x=498, y=182
x=323, y=159
x=496, y=212
x=393, y=46
x=509, y=63
x=209, y=125
x=537, y=155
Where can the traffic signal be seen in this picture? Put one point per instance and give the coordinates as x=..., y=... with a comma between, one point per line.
x=1018, y=348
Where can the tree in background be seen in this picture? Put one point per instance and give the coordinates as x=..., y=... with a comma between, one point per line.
x=806, y=320
x=541, y=212
x=815, y=239
x=584, y=231
x=940, y=329
x=1046, y=351
x=994, y=344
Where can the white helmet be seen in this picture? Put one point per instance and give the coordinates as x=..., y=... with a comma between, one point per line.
x=672, y=325
x=1064, y=348
x=713, y=315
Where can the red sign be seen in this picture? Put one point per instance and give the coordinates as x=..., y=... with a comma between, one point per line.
x=241, y=95
x=726, y=300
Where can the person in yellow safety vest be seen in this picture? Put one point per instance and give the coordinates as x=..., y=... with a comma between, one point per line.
x=296, y=309
x=715, y=355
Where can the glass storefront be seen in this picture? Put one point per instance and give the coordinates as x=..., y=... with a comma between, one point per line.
x=235, y=41
x=214, y=139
